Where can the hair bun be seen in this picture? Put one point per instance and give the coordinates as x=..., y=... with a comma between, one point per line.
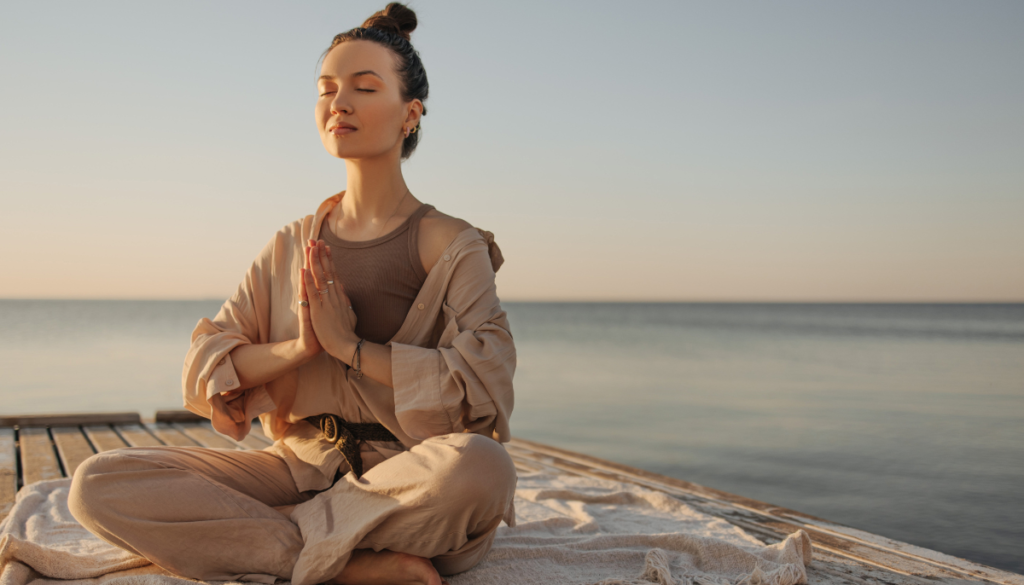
x=396, y=18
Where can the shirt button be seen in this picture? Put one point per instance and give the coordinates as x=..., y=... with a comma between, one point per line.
x=447, y=257
x=221, y=362
x=420, y=306
x=229, y=383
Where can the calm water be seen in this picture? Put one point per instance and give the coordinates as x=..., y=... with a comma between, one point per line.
x=902, y=420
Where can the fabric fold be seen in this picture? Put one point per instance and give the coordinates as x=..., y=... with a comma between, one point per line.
x=570, y=529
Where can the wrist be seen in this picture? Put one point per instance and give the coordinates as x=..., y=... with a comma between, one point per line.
x=299, y=353
x=347, y=348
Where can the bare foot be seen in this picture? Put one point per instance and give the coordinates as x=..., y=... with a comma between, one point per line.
x=368, y=567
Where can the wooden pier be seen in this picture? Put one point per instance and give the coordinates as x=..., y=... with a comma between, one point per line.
x=41, y=447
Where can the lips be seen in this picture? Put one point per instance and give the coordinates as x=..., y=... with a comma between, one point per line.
x=341, y=129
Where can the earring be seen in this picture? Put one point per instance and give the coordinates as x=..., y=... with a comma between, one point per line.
x=406, y=132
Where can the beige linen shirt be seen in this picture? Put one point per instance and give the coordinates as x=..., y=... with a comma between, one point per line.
x=452, y=360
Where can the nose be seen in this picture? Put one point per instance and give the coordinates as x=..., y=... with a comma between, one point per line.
x=340, y=104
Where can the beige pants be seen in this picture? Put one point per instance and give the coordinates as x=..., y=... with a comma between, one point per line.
x=220, y=514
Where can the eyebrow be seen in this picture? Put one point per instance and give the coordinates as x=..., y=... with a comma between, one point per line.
x=356, y=74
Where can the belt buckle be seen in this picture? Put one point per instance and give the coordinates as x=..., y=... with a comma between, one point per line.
x=330, y=427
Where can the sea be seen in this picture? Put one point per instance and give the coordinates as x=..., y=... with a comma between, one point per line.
x=904, y=420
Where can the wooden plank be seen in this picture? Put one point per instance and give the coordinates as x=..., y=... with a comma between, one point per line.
x=137, y=436
x=104, y=438
x=843, y=556
x=8, y=472
x=830, y=569
x=178, y=416
x=72, y=447
x=68, y=420
x=38, y=459
x=170, y=435
x=206, y=436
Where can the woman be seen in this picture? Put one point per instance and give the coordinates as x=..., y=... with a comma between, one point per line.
x=369, y=340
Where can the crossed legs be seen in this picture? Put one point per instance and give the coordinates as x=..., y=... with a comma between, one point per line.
x=218, y=514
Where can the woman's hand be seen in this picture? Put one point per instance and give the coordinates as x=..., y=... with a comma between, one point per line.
x=307, y=343
x=329, y=312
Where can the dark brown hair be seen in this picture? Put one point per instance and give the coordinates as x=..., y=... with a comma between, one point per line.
x=391, y=28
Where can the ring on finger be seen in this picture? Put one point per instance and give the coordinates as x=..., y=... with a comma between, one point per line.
x=323, y=292
x=330, y=282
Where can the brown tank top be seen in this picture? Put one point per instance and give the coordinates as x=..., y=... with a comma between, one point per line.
x=382, y=276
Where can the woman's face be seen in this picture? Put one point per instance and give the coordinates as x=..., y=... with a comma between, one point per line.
x=358, y=86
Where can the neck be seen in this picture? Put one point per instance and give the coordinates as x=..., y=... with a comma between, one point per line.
x=373, y=191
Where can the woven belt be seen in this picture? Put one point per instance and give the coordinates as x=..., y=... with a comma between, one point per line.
x=346, y=436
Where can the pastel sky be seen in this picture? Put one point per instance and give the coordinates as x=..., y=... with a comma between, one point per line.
x=730, y=151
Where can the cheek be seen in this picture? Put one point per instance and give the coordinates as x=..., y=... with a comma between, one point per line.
x=380, y=115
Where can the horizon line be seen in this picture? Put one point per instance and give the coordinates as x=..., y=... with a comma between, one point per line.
x=595, y=300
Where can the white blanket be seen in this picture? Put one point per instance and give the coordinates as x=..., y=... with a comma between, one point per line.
x=570, y=530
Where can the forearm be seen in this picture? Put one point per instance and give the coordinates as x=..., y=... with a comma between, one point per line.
x=375, y=360
x=259, y=363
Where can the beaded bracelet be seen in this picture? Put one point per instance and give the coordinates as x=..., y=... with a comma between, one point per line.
x=357, y=360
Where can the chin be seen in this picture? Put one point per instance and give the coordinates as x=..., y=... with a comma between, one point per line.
x=337, y=151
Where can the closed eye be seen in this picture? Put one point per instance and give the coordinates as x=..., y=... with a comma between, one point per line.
x=366, y=90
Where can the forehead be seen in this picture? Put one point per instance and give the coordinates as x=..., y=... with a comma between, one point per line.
x=354, y=56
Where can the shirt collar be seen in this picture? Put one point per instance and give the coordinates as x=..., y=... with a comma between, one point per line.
x=463, y=238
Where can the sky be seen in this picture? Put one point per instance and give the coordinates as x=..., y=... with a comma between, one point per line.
x=622, y=151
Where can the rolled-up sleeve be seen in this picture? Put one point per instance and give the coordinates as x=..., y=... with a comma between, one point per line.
x=465, y=384
x=209, y=380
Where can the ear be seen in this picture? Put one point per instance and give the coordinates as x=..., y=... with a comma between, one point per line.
x=414, y=113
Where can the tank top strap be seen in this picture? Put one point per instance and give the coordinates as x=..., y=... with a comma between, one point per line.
x=414, y=240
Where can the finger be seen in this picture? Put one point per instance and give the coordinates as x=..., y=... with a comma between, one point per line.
x=325, y=262
x=341, y=293
x=316, y=268
x=307, y=282
x=325, y=276
x=304, y=317
x=332, y=275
